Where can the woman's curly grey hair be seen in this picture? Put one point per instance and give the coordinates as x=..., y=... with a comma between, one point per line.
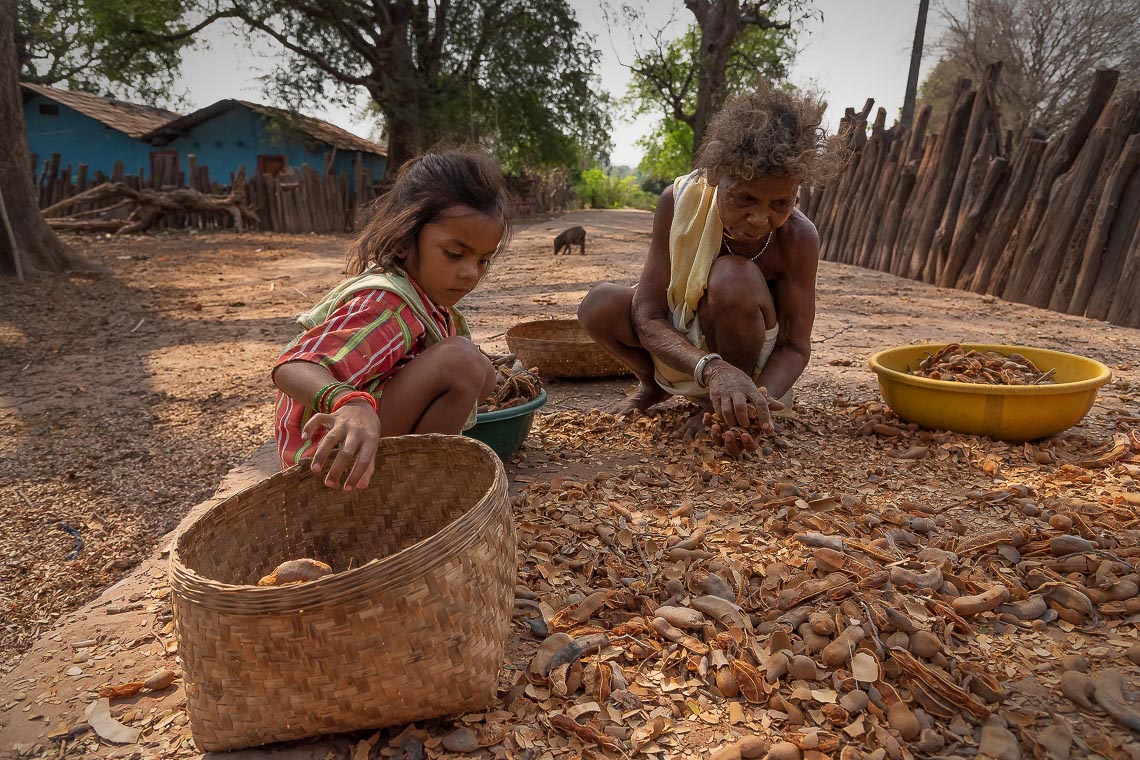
x=770, y=133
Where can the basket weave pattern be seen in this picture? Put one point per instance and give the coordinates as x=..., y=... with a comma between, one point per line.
x=417, y=628
x=561, y=348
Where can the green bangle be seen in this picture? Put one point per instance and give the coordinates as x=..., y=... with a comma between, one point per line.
x=322, y=398
x=319, y=394
x=333, y=394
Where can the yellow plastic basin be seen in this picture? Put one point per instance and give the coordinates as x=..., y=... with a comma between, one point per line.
x=1004, y=412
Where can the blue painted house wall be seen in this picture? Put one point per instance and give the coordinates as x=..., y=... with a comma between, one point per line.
x=238, y=136
x=79, y=139
x=223, y=143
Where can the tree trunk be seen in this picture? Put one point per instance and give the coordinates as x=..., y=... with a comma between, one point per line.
x=915, y=62
x=39, y=248
x=719, y=23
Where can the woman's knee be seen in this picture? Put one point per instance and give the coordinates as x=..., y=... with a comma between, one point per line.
x=605, y=303
x=737, y=285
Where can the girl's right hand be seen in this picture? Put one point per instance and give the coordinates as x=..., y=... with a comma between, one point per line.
x=355, y=428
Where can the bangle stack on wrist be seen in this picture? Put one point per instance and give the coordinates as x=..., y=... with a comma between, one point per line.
x=699, y=370
x=356, y=396
x=322, y=401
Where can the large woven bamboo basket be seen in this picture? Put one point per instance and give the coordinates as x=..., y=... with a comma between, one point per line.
x=412, y=623
x=561, y=348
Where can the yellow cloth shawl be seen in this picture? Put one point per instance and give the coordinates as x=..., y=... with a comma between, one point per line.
x=694, y=244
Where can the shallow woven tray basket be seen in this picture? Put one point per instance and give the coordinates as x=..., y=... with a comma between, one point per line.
x=561, y=348
x=417, y=628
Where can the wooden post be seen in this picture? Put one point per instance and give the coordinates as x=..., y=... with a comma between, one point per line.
x=1057, y=162
x=1097, y=257
x=967, y=239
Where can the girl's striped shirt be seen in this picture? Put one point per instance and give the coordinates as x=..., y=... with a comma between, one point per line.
x=363, y=343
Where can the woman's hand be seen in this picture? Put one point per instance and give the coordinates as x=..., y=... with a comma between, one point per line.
x=731, y=390
x=355, y=428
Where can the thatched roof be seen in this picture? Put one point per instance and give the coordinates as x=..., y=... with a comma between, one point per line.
x=129, y=118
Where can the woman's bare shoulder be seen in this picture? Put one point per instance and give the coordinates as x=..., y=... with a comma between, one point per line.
x=799, y=234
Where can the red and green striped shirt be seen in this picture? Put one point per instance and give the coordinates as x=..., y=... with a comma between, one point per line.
x=364, y=343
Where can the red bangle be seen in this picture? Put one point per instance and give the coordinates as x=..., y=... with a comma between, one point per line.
x=353, y=397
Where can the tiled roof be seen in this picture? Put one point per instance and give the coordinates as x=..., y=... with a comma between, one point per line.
x=315, y=128
x=129, y=118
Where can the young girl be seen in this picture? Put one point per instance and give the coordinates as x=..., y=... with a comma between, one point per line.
x=386, y=352
x=724, y=307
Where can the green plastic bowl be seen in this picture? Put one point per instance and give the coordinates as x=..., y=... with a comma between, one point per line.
x=504, y=430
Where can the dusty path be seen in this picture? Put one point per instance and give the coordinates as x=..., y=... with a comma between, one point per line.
x=126, y=395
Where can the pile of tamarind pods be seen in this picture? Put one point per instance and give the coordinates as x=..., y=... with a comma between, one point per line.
x=514, y=385
x=952, y=362
x=861, y=634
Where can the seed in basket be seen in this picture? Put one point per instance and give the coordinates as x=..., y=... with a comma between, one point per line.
x=296, y=571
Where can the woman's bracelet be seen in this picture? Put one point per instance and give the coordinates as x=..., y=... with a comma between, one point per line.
x=355, y=395
x=325, y=394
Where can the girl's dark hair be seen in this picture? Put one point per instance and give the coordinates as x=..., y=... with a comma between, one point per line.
x=424, y=189
x=770, y=133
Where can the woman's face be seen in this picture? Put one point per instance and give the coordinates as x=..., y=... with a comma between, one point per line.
x=453, y=253
x=751, y=208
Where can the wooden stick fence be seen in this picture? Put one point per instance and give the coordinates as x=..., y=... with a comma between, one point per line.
x=296, y=200
x=1050, y=222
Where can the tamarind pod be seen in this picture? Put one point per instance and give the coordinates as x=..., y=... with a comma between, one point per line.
x=681, y=617
x=1026, y=609
x=898, y=620
x=943, y=610
x=732, y=445
x=1073, y=563
x=1077, y=687
x=777, y=667
x=1108, y=690
x=795, y=596
x=663, y=628
x=568, y=725
x=794, y=618
x=693, y=541
x=1061, y=546
x=938, y=683
x=820, y=541
x=1015, y=537
x=677, y=554
x=870, y=550
x=904, y=578
x=728, y=614
x=577, y=649
x=829, y=560
x=839, y=651
x=1069, y=598
x=978, y=603
x=875, y=580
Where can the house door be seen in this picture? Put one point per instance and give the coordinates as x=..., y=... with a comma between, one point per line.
x=163, y=168
x=270, y=164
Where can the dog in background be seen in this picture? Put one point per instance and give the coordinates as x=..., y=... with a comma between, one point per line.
x=569, y=238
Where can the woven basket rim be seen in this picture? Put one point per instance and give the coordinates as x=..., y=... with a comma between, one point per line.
x=513, y=333
x=374, y=575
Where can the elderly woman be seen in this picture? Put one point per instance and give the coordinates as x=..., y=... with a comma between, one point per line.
x=724, y=307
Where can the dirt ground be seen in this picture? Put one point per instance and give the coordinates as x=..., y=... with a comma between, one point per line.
x=128, y=392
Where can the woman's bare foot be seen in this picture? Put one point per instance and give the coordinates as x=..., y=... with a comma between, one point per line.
x=694, y=427
x=641, y=399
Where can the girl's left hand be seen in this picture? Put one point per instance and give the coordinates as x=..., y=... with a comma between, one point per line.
x=355, y=428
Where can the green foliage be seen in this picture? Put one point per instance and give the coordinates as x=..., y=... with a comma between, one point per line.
x=668, y=150
x=597, y=189
x=515, y=76
x=665, y=81
x=95, y=45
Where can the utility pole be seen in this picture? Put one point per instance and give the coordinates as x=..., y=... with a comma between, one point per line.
x=915, y=60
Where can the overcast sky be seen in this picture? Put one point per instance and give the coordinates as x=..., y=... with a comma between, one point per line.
x=861, y=49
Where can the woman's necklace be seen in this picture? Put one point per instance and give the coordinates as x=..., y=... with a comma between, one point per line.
x=752, y=258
